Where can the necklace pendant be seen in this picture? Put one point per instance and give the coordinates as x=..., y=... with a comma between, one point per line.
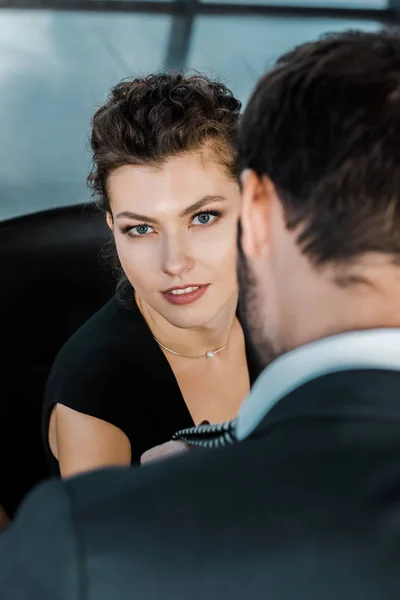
x=209, y=354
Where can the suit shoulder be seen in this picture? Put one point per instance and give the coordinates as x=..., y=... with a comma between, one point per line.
x=38, y=552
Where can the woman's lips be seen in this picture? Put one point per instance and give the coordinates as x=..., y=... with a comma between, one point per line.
x=185, y=295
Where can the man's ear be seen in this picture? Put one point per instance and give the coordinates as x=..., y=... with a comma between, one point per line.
x=110, y=221
x=256, y=196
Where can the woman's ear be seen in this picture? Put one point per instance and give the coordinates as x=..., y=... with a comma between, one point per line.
x=110, y=221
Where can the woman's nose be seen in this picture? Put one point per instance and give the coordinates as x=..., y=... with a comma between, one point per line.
x=176, y=259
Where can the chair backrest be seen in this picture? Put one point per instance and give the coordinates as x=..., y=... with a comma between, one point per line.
x=52, y=280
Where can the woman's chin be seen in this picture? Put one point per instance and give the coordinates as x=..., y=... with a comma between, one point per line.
x=189, y=322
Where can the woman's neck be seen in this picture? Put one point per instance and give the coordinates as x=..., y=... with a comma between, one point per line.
x=196, y=341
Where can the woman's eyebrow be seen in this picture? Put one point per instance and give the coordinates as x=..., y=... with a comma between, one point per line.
x=131, y=215
x=200, y=203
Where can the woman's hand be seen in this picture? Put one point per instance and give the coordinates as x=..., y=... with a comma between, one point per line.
x=167, y=450
x=4, y=519
x=164, y=451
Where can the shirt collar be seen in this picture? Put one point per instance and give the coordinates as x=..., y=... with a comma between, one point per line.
x=372, y=349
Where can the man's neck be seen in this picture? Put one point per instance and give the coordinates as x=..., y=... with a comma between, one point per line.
x=328, y=309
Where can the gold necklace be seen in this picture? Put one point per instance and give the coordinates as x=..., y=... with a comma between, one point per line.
x=209, y=354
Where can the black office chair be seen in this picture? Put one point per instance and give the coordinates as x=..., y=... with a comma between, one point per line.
x=52, y=279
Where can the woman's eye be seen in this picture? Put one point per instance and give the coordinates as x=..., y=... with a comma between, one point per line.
x=140, y=230
x=203, y=219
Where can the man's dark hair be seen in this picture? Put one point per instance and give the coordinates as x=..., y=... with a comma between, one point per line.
x=149, y=120
x=324, y=126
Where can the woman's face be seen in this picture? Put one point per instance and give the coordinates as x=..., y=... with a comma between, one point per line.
x=175, y=231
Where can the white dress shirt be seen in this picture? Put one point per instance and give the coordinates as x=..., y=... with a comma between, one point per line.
x=367, y=349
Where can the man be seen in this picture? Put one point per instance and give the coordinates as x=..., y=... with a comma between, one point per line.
x=307, y=505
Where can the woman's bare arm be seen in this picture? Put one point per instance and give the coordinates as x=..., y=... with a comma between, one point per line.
x=83, y=443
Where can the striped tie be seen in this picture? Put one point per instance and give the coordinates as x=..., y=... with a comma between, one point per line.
x=209, y=436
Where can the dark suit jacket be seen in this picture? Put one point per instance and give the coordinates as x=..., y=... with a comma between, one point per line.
x=307, y=509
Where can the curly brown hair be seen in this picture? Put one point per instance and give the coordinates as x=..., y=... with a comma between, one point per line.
x=146, y=121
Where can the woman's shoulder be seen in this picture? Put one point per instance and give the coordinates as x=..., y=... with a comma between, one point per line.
x=107, y=361
x=106, y=334
x=114, y=345
x=113, y=369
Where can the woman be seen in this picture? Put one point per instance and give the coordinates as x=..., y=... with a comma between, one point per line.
x=168, y=352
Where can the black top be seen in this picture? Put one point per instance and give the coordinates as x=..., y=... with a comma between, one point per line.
x=113, y=369
x=307, y=509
